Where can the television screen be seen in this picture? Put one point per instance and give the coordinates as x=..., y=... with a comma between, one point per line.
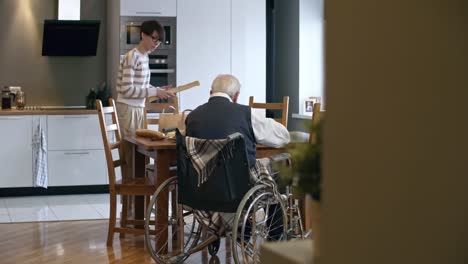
x=70, y=37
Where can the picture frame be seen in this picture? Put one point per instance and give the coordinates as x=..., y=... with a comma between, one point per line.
x=308, y=104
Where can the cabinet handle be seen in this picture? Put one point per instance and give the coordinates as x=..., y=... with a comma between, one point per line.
x=11, y=117
x=76, y=117
x=77, y=153
x=148, y=12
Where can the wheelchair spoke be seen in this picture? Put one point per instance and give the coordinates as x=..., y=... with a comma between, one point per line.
x=260, y=219
x=173, y=240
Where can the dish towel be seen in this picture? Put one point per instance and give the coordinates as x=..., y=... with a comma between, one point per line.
x=39, y=146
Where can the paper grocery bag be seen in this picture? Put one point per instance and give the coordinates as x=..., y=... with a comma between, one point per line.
x=173, y=120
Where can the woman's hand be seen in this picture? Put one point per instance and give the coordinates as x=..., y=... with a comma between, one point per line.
x=163, y=92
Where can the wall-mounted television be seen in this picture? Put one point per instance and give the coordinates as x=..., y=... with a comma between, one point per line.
x=70, y=37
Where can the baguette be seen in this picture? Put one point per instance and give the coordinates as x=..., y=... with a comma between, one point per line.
x=153, y=134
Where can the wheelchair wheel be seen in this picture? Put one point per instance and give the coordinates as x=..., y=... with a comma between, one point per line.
x=260, y=217
x=171, y=230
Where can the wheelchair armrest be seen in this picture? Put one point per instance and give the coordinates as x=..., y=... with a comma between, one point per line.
x=234, y=136
x=280, y=157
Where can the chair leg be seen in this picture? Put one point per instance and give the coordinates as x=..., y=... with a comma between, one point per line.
x=124, y=214
x=147, y=202
x=112, y=216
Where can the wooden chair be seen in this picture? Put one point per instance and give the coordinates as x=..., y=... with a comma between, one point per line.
x=154, y=105
x=283, y=107
x=132, y=187
x=317, y=115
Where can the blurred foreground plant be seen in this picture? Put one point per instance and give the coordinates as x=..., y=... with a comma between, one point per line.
x=305, y=171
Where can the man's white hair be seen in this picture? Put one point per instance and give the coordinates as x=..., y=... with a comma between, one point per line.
x=226, y=83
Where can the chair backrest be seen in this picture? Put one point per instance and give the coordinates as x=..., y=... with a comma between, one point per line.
x=155, y=105
x=283, y=107
x=111, y=137
x=224, y=187
x=317, y=115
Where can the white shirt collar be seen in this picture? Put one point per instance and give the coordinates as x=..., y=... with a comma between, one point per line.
x=221, y=95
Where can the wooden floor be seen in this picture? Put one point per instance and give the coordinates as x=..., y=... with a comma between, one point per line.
x=78, y=242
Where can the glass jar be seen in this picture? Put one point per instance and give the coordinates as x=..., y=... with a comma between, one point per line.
x=20, y=100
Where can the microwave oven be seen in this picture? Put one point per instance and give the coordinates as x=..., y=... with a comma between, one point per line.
x=130, y=32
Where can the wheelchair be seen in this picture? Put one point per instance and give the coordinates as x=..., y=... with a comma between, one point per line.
x=184, y=216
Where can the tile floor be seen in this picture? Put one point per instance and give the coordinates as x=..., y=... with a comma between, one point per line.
x=54, y=208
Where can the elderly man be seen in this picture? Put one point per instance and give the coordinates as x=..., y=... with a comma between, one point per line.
x=222, y=116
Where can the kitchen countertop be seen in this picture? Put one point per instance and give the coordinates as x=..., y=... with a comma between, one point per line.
x=57, y=111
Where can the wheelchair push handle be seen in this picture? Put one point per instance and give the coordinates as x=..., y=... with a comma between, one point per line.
x=168, y=129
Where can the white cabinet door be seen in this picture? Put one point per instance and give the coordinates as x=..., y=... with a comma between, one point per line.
x=148, y=7
x=203, y=46
x=77, y=167
x=249, y=48
x=74, y=132
x=16, y=151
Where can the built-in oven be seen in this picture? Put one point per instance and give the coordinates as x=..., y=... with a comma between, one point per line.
x=161, y=71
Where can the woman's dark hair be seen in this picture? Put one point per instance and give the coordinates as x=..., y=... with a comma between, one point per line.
x=148, y=27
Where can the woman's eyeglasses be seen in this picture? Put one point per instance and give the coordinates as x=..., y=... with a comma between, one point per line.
x=154, y=38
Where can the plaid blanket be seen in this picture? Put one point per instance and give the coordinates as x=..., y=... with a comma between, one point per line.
x=261, y=171
x=204, y=154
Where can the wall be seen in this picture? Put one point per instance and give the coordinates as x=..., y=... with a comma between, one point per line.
x=299, y=69
x=311, y=55
x=396, y=145
x=113, y=48
x=286, y=69
x=47, y=80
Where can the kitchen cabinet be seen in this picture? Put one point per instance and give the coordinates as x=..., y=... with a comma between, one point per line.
x=248, y=48
x=73, y=132
x=16, y=151
x=77, y=167
x=203, y=46
x=221, y=36
x=148, y=8
x=75, y=151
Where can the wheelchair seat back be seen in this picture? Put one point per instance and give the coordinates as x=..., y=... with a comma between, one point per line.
x=225, y=186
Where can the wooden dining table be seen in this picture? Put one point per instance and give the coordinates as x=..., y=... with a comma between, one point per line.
x=164, y=154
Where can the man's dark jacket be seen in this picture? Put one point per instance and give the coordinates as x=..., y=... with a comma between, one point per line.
x=219, y=118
